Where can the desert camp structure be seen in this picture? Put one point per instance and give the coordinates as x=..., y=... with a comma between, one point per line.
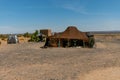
x=71, y=37
x=46, y=32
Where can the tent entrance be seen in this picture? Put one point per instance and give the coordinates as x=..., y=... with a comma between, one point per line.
x=72, y=43
x=65, y=43
x=75, y=43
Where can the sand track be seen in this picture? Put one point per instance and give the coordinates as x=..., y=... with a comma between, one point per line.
x=27, y=61
x=112, y=73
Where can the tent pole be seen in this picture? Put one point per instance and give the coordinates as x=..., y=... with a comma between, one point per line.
x=68, y=43
x=83, y=44
x=58, y=42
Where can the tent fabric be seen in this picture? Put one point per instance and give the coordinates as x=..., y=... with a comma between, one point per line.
x=71, y=33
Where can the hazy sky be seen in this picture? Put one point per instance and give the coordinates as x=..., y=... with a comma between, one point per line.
x=18, y=16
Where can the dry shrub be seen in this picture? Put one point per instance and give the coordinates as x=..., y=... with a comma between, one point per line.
x=4, y=39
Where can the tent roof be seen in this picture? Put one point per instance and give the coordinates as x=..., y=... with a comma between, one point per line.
x=71, y=33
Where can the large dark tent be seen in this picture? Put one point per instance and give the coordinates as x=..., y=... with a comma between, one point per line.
x=71, y=37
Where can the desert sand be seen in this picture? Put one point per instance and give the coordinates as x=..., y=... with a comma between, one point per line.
x=27, y=61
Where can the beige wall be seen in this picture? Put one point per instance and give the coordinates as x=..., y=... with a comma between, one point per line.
x=46, y=32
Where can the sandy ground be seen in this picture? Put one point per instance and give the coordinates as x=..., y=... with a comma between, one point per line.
x=27, y=61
